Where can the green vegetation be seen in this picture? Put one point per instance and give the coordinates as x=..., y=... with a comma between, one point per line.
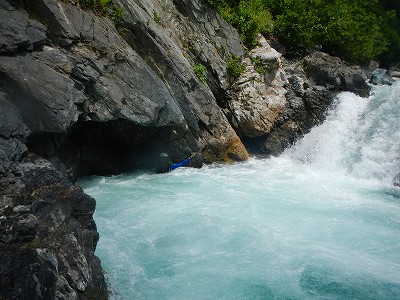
x=258, y=65
x=104, y=7
x=351, y=29
x=248, y=17
x=234, y=66
x=156, y=17
x=356, y=30
x=200, y=71
x=116, y=13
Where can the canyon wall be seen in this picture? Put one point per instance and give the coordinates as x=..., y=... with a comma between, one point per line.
x=82, y=93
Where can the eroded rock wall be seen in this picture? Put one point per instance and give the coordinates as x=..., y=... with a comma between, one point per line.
x=87, y=70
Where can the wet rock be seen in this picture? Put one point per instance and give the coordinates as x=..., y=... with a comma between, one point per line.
x=395, y=74
x=63, y=290
x=17, y=31
x=334, y=74
x=45, y=209
x=396, y=180
x=28, y=273
x=381, y=77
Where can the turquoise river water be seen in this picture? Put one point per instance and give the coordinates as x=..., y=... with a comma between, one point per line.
x=321, y=221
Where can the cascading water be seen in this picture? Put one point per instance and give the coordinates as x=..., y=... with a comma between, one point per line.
x=322, y=221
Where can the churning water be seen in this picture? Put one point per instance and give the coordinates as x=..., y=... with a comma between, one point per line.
x=322, y=221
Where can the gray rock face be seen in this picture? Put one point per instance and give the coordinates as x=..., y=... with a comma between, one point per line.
x=171, y=51
x=47, y=99
x=307, y=98
x=17, y=31
x=28, y=273
x=12, y=133
x=259, y=94
x=334, y=74
x=42, y=207
x=90, y=73
x=305, y=109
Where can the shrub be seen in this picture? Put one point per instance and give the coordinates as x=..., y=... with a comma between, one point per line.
x=156, y=17
x=234, y=67
x=258, y=65
x=117, y=13
x=356, y=30
x=104, y=7
x=347, y=28
x=249, y=17
x=200, y=71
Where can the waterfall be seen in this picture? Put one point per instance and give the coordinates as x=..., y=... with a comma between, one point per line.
x=361, y=137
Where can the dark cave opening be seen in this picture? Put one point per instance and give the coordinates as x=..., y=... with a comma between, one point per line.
x=102, y=148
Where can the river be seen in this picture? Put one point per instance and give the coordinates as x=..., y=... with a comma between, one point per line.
x=321, y=221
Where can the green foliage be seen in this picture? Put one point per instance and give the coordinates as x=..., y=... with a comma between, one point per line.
x=117, y=13
x=348, y=28
x=258, y=65
x=357, y=30
x=249, y=17
x=156, y=17
x=200, y=71
x=234, y=66
x=100, y=6
x=104, y=7
x=391, y=30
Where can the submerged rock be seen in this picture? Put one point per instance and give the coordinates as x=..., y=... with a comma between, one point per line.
x=381, y=76
x=395, y=74
x=396, y=180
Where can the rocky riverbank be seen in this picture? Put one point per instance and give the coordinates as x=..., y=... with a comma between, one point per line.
x=80, y=95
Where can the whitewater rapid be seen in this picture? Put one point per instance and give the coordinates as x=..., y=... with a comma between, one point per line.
x=322, y=221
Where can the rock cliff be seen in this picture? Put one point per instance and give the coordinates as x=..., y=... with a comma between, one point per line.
x=81, y=94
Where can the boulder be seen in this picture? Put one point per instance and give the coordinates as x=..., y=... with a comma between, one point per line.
x=396, y=180
x=381, y=77
x=258, y=94
x=395, y=74
x=335, y=74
